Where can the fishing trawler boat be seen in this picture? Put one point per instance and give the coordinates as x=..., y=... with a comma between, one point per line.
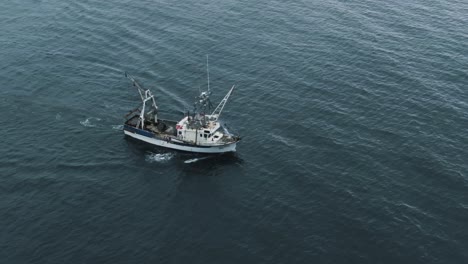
x=195, y=132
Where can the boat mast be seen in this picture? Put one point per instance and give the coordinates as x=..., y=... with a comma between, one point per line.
x=145, y=95
x=203, y=103
x=208, y=74
x=217, y=112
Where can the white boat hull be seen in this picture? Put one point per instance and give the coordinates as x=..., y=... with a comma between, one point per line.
x=167, y=144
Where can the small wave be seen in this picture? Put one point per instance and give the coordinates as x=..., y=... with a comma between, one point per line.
x=58, y=116
x=159, y=157
x=88, y=121
x=117, y=127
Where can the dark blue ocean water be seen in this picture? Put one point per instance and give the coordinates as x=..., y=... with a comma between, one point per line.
x=354, y=117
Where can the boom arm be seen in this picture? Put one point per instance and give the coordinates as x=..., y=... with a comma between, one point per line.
x=217, y=112
x=145, y=95
x=141, y=91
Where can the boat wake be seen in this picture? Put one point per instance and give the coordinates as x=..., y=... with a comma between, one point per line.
x=88, y=122
x=195, y=160
x=159, y=157
x=117, y=127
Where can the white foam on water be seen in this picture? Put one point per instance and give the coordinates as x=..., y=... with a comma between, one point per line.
x=286, y=141
x=58, y=116
x=117, y=127
x=159, y=157
x=87, y=122
x=195, y=160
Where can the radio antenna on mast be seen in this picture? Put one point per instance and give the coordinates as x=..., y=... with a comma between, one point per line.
x=208, y=74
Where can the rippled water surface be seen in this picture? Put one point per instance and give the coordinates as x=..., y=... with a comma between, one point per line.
x=354, y=117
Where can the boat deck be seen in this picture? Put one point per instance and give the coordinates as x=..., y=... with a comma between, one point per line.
x=163, y=128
